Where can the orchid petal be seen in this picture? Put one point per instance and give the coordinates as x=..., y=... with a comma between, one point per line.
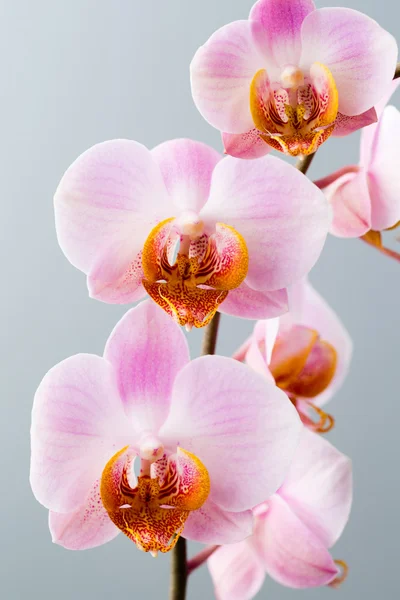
x=221, y=73
x=350, y=200
x=114, y=191
x=345, y=125
x=87, y=527
x=247, y=303
x=214, y=404
x=383, y=177
x=318, y=487
x=237, y=571
x=359, y=53
x=282, y=216
x=277, y=29
x=210, y=524
x=186, y=167
x=247, y=145
x=78, y=422
x=147, y=350
x=291, y=553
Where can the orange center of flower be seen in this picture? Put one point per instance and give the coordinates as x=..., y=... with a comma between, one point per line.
x=303, y=366
x=191, y=283
x=152, y=510
x=298, y=114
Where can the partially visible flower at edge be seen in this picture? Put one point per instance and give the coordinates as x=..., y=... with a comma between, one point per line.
x=307, y=352
x=294, y=528
x=366, y=199
x=291, y=76
x=197, y=233
x=212, y=439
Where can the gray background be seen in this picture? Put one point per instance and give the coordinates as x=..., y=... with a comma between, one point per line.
x=80, y=72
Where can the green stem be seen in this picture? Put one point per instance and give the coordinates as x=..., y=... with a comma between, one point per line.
x=303, y=164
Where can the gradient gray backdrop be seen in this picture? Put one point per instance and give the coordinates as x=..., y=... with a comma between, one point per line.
x=80, y=72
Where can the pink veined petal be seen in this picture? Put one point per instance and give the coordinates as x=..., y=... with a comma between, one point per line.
x=114, y=191
x=78, y=423
x=350, y=200
x=291, y=553
x=237, y=571
x=312, y=310
x=116, y=277
x=186, y=167
x=87, y=527
x=251, y=304
x=256, y=352
x=247, y=145
x=318, y=487
x=368, y=136
x=282, y=216
x=147, y=350
x=242, y=428
x=383, y=175
x=359, y=53
x=345, y=125
x=277, y=29
x=210, y=524
x=221, y=73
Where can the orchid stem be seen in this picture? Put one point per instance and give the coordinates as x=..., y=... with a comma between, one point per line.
x=397, y=71
x=200, y=558
x=179, y=571
x=303, y=164
x=210, y=335
x=180, y=567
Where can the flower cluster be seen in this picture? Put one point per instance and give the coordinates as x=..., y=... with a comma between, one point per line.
x=226, y=451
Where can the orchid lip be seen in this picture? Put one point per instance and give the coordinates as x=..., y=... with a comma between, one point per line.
x=189, y=273
x=152, y=511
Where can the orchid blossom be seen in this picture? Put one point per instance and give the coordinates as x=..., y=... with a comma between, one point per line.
x=365, y=199
x=294, y=528
x=212, y=439
x=306, y=352
x=197, y=233
x=290, y=76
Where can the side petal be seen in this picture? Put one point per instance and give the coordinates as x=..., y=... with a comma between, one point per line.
x=318, y=487
x=384, y=180
x=245, y=145
x=210, y=524
x=315, y=312
x=249, y=304
x=112, y=192
x=282, y=216
x=147, y=350
x=242, y=428
x=345, y=125
x=237, y=572
x=291, y=553
x=87, y=527
x=359, y=53
x=78, y=422
x=277, y=29
x=186, y=167
x=221, y=72
x=350, y=200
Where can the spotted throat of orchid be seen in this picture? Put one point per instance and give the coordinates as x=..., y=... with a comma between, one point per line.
x=297, y=113
x=303, y=365
x=188, y=271
x=151, y=509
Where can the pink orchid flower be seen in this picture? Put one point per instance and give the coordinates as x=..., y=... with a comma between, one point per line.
x=294, y=528
x=366, y=198
x=195, y=232
x=307, y=353
x=291, y=75
x=212, y=439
